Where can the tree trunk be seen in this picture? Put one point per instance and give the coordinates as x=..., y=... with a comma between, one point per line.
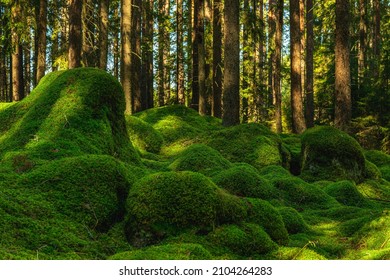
x=200, y=40
x=17, y=55
x=163, y=50
x=75, y=38
x=278, y=64
x=180, y=96
x=298, y=120
x=309, y=110
x=246, y=62
x=217, y=59
x=41, y=41
x=231, y=78
x=147, y=54
x=126, y=53
x=195, y=57
x=343, y=107
x=103, y=34
x=376, y=39
x=136, y=63
x=88, y=51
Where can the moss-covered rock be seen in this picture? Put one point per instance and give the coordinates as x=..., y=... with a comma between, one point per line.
x=330, y=154
x=346, y=193
x=372, y=171
x=377, y=157
x=263, y=213
x=143, y=135
x=274, y=172
x=231, y=209
x=244, y=181
x=179, y=251
x=292, y=220
x=251, y=143
x=167, y=203
x=246, y=239
x=200, y=158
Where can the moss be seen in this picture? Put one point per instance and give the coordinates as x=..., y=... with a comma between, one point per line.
x=292, y=220
x=231, y=209
x=244, y=181
x=180, y=251
x=70, y=113
x=377, y=157
x=375, y=189
x=143, y=135
x=200, y=158
x=346, y=193
x=293, y=145
x=263, y=213
x=246, y=240
x=385, y=171
x=372, y=171
x=329, y=154
x=293, y=253
x=167, y=203
x=273, y=172
x=251, y=143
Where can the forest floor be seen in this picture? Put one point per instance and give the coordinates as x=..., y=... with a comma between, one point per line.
x=79, y=180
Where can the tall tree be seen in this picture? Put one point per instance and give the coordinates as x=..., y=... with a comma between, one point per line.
x=136, y=63
x=180, y=90
x=103, y=33
x=88, y=37
x=309, y=108
x=217, y=59
x=200, y=41
x=17, y=53
x=147, y=53
x=163, y=52
x=376, y=38
x=343, y=104
x=231, y=77
x=277, y=64
x=298, y=119
x=41, y=40
x=362, y=42
x=126, y=52
x=195, y=56
x=75, y=33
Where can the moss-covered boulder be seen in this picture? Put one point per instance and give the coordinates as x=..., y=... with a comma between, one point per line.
x=250, y=143
x=330, y=154
x=263, y=213
x=231, y=208
x=292, y=220
x=175, y=251
x=143, y=135
x=244, y=181
x=200, y=158
x=168, y=203
x=346, y=193
x=70, y=113
x=246, y=239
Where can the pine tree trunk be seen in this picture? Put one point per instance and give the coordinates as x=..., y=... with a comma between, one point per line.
x=343, y=107
x=278, y=64
x=147, y=54
x=195, y=58
x=103, y=34
x=136, y=63
x=180, y=96
x=376, y=39
x=163, y=51
x=126, y=53
x=217, y=59
x=17, y=55
x=75, y=33
x=200, y=40
x=41, y=41
x=298, y=120
x=245, y=62
x=231, y=78
x=309, y=109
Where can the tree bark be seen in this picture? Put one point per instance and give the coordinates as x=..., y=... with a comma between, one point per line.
x=41, y=40
x=217, y=59
x=298, y=120
x=343, y=107
x=17, y=55
x=200, y=40
x=147, y=54
x=103, y=35
x=309, y=109
x=126, y=53
x=376, y=39
x=180, y=96
x=278, y=64
x=231, y=78
x=136, y=63
x=195, y=58
x=75, y=33
x=163, y=50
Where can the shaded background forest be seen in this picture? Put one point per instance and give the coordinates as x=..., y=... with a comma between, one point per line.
x=173, y=52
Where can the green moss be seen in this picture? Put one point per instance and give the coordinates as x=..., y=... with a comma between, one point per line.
x=251, y=143
x=329, y=154
x=143, y=135
x=293, y=253
x=385, y=171
x=231, y=209
x=167, y=203
x=200, y=158
x=274, y=172
x=180, y=251
x=377, y=157
x=70, y=113
x=244, y=181
x=292, y=220
x=263, y=213
x=375, y=189
x=346, y=193
x=372, y=171
x=245, y=240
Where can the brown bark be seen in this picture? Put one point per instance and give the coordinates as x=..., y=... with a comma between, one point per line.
x=376, y=38
x=75, y=31
x=41, y=41
x=88, y=38
x=195, y=58
x=163, y=50
x=147, y=54
x=277, y=93
x=298, y=120
x=180, y=94
x=136, y=55
x=309, y=109
x=343, y=106
x=246, y=62
x=17, y=55
x=231, y=78
x=200, y=40
x=126, y=53
x=217, y=59
x=103, y=33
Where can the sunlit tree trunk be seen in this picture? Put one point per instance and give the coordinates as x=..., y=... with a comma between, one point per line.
x=147, y=54
x=136, y=63
x=103, y=34
x=180, y=90
x=126, y=53
x=41, y=40
x=75, y=33
x=277, y=66
x=17, y=55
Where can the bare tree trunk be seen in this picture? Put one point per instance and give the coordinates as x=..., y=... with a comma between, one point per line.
x=163, y=50
x=147, y=54
x=376, y=38
x=200, y=40
x=217, y=59
x=103, y=35
x=195, y=58
x=309, y=110
x=17, y=55
x=231, y=78
x=343, y=107
x=298, y=119
x=180, y=96
x=126, y=53
x=278, y=64
x=41, y=41
x=245, y=62
x=75, y=32
x=136, y=63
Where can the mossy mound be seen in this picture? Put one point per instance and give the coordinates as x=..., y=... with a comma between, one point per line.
x=372, y=171
x=375, y=189
x=167, y=203
x=88, y=189
x=230, y=209
x=292, y=220
x=250, y=143
x=330, y=154
x=143, y=135
x=70, y=113
x=346, y=193
x=200, y=158
x=263, y=213
x=244, y=181
x=293, y=253
x=246, y=239
x=377, y=157
x=180, y=251
x=274, y=172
